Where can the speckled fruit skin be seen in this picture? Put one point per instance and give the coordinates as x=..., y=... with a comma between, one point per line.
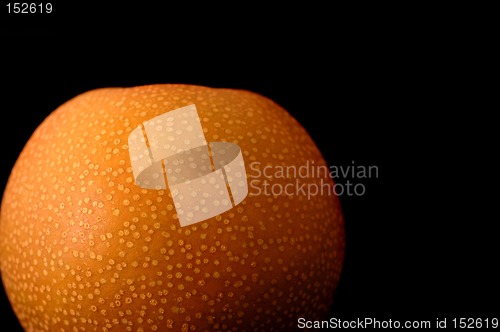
x=82, y=248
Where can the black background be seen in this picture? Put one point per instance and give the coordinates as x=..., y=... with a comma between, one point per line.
x=377, y=91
